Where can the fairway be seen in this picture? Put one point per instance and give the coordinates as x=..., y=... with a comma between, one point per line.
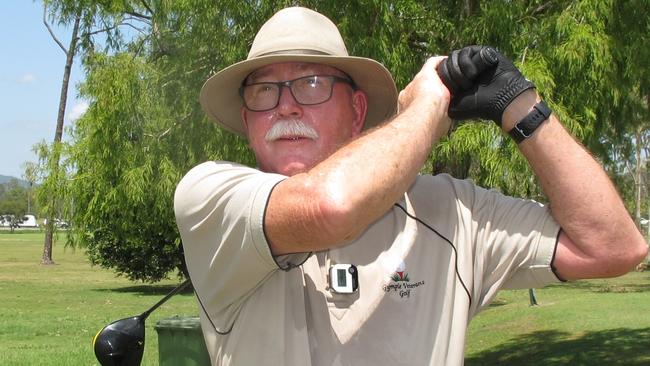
x=51, y=313
x=596, y=322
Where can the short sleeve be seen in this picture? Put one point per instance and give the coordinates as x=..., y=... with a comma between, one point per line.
x=219, y=208
x=515, y=242
x=502, y=241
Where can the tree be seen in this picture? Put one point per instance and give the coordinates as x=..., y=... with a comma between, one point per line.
x=142, y=131
x=83, y=16
x=624, y=142
x=13, y=199
x=144, y=128
x=30, y=175
x=633, y=106
x=641, y=140
x=53, y=178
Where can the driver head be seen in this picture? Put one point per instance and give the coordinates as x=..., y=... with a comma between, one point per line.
x=120, y=343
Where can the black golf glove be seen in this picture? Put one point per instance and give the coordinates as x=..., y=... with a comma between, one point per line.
x=482, y=83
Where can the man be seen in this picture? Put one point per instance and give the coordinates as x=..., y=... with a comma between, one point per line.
x=335, y=251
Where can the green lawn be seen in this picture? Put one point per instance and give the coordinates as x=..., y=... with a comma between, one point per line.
x=51, y=313
x=598, y=322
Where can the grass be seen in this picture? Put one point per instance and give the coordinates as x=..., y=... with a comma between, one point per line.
x=596, y=322
x=51, y=313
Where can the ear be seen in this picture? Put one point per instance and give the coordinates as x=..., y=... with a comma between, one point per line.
x=360, y=106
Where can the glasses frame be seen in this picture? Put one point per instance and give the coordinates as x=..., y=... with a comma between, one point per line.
x=289, y=83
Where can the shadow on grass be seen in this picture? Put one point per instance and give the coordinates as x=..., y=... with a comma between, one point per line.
x=617, y=347
x=605, y=286
x=497, y=302
x=147, y=290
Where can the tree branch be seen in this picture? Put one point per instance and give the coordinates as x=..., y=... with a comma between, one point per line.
x=541, y=8
x=144, y=3
x=138, y=15
x=139, y=46
x=140, y=30
x=49, y=29
x=99, y=31
x=523, y=55
x=145, y=21
x=632, y=172
x=111, y=28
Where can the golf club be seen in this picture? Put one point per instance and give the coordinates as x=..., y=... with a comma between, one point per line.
x=121, y=343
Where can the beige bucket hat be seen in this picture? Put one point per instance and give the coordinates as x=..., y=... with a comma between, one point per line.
x=298, y=35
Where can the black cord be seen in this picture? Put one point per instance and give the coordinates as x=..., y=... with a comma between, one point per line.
x=460, y=279
x=448, y=242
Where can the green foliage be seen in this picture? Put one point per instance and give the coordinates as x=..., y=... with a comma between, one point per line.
x=144, y=128
x=52, y=172
x=13, y=199
x=107, y=18
x=588, y=58
x=122, y=182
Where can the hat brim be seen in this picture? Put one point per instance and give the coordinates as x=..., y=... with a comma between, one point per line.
x=221, y=101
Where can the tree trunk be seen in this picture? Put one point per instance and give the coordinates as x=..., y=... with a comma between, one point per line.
x=29, y=199
x=54, y=165
x=532, y=297
x=647, y=173
x=638, y=184
x=47, y=246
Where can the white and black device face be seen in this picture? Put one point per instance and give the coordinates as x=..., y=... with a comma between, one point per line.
x=343, y=278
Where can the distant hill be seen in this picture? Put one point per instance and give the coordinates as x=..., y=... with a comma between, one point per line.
x=6, y=179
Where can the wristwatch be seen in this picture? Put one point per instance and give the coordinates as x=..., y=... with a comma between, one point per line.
x=527, y=125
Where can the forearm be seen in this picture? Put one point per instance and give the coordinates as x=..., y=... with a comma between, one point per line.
x=371, y=173
x=598, y=237
x=349, y=190
x=603, y=240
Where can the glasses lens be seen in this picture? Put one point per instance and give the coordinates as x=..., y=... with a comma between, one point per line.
x=261, y=96
x=312, y=89
x=307, y=90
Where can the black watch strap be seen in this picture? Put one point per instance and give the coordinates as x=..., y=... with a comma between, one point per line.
x=525, y=128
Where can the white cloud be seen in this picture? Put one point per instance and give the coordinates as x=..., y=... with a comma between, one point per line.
x=28, y=79
x=77, y=110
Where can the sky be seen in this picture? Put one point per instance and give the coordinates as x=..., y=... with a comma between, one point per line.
x=31, y=71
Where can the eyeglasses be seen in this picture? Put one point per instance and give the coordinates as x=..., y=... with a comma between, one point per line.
x=307, y=90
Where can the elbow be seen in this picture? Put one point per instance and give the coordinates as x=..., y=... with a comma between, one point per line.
x=640, y=253
x=635, y=253
x=338, y=218
x=611, y=256
x=303, y=215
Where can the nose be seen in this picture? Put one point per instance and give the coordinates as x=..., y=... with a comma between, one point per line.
x=287, y=104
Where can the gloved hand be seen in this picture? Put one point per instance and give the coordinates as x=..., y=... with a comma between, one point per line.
x=482, y=83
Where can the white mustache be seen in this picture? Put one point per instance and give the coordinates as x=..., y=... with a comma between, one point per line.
x=290, y=128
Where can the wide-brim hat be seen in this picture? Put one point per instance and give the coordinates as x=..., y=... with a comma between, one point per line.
x=298, y=35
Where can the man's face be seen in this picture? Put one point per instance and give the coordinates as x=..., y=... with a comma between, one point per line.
x=325, y=127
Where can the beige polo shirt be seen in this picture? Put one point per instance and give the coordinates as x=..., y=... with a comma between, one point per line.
x=425, y=269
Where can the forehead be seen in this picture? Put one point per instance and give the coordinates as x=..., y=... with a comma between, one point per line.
x=289, y=70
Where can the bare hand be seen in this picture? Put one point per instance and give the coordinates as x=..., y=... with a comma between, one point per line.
x=426, y=86
x=427, y=94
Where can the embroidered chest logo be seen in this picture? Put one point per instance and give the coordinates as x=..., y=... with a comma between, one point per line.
x=401, y=284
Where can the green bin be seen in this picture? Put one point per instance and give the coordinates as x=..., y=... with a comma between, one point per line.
x=180, y=342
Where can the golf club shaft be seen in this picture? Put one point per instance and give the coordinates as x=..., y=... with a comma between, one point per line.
x=173, y=292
